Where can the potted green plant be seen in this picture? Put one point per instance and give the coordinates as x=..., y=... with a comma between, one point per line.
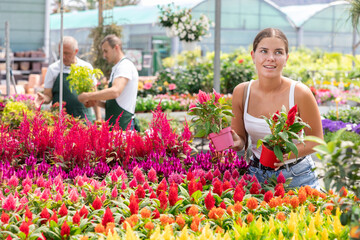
x=285, y=127
x=212, y=118
x=81, y=78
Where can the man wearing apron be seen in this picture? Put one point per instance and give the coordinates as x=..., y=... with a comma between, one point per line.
x=52, y=83
x=121, y=95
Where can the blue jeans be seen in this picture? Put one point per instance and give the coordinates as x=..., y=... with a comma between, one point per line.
x=302, y=174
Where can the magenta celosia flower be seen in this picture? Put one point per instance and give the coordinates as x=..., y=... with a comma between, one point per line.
x=9, y=204
x=235, y=174
x=63, y=210
x=13, y=182
x=176, y=178
x=139, y=176
x=217, y=173
x=152, y=176
x=209, y=201
x=281, y=178
x=114, y=192
x=65, y=229
x=108, y=217
x=74, y=195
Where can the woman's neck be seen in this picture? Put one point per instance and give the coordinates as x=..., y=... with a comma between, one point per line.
x=270, y=84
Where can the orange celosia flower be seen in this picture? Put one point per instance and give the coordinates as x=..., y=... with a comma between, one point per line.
x=315, y=193
x=286, y=200
x=238, y=207
x=230, y=209
x=134, y=218
x=197, y=220
x=180, y=221
x=294, y=201
x=110, y=226
x=330, y=206
x=281, y=216
x=343, y=192
x=145, y=213
x=308, y=190
x=263, y=204
x=149, y=226
x=219, y=230
x=331, y=192
x=249, y=218
x=327, y=212
x=290, y=193
x=194, y=227
x=99, y=228
x=252, y=203
x=302, y=196
x=273, y=203
x=216, y=213
x=311, y=207
x=165, y=219
x=239, y=221
x=84, y=238
x=193, y=210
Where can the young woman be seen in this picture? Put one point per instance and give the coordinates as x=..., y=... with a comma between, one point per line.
x=264, y=97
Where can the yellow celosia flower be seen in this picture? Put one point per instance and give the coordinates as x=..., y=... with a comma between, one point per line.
x=206, y=234
x=115, y=236
x=156, y=235
x=168, y=233
x=302, y=213
x=311, y=230
x=292, y=222
x=226, y=236
x=337, y=224
x=324, y=234
x=338, y=212
x=318, y=218
x=184, y=234
x=259, y=224
x=281, y=235
x=130, y=235
x=271, y=224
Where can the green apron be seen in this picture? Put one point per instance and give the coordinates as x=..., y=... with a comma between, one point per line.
x=113, y=111
x=73, y=106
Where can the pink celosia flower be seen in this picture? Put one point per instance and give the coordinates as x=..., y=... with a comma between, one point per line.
x=103, y=183
x=24, y=200
x=49, y=183
x=54, y=217
x=281, y=178
x=152, y=176
x=146, y=185
x=96, y=185
x=74, y=195
x=45, y=194
x=58, y=180
x=123, y=186
x=27, y=181
x=203, y=97
x=103, y=197
x=26, y=189
x=217, y=173
x=209, y=176
x=80, y=182
x=13, y=182
x=9, y=204
x=192, y=105
x=114, y=192
x=40, y=182
x=114, y=178
x=235, y=174
x=217, y=96
x=227, y=175
x=83, y=193
x=58, y=197
x=60, y=189
x=139, y=176
x=133, y=183
x=97, y=204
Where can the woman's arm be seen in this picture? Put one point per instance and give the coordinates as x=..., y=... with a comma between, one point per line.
x=237, y=122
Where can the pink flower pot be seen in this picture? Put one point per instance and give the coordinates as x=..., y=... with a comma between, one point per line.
x=222, y=140
x=267, y=157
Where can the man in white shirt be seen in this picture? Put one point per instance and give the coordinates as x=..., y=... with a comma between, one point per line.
x=121, y=95
x=52, y=83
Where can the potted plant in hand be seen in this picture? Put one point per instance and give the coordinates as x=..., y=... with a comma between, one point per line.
x=212, y=114
x=284, y=127
x=81, y=78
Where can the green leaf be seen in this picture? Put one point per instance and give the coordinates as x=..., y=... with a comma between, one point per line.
x=315, y=139
x=278, y=153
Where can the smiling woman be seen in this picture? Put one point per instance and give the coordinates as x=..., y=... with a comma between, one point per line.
x=265, y=96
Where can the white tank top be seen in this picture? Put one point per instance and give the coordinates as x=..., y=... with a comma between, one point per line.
x=257, y=128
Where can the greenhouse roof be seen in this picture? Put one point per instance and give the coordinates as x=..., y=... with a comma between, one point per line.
x=121, y=15
x=299, y=14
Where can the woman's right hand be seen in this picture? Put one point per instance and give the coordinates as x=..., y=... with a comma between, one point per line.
x=238, y=143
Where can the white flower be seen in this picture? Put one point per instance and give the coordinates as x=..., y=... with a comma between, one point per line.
x=165, y=18
x=346, y=144
x=176, y=19
x=183, y=19
x=193, y=28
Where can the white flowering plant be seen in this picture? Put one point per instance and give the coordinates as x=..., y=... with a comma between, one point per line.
x=181, y=23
